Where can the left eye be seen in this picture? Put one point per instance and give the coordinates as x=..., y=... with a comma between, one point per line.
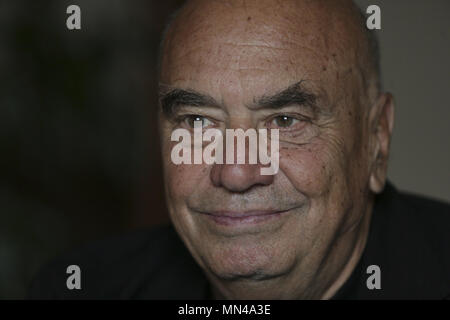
x=192, y=119
x=284, y=121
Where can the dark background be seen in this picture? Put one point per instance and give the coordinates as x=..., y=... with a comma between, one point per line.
x=79, y=152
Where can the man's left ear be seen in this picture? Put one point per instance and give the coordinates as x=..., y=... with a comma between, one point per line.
x=381, y=122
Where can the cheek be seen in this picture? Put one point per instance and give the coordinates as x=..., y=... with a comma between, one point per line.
x=310, y=168
x=324, y=171
x=318, y=171
x=179, y=179
x=183, y=180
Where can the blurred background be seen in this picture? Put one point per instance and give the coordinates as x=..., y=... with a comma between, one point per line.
x=78, y=141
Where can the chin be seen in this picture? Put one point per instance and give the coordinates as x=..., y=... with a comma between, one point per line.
x=252, y=261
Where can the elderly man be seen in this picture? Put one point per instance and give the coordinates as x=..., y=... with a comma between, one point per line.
x=326, y=224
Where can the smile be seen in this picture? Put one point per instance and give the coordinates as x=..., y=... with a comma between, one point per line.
x=236, y=218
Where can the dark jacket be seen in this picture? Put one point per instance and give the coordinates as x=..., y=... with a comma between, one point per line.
x=409, y=240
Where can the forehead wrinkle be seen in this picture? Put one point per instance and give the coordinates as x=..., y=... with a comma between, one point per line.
x=280, y=26
x=326, y=33
x=289, y=19
x=275, y=44
x=270, y=35
x=254, y=45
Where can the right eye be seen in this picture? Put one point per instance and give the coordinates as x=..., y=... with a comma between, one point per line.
x=191, y=119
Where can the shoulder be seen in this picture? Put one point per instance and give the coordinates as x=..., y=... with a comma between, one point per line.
x=411, y=240
x=422, y=217
x=140, y=264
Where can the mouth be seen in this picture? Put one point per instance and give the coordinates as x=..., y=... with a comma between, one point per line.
x=241, y=218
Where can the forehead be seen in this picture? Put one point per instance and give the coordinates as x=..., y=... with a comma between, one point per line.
x=251, y=50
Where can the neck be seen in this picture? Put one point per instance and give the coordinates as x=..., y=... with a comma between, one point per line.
x=356, y=253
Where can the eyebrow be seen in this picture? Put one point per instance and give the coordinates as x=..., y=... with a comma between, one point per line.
x=294, y=94
x=175, y=98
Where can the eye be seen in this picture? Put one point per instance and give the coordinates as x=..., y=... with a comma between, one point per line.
x=191, y=119
x=283, y=121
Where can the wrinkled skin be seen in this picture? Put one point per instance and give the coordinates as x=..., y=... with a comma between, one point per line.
x=333, y=159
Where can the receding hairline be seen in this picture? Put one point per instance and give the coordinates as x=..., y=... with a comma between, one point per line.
x=370, y=36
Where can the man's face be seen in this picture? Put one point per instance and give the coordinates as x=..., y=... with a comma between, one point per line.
x=235, y=222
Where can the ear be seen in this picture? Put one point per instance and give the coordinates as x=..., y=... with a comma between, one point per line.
x=381, y=122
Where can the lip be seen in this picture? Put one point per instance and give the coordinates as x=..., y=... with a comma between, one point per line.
x=237, y=218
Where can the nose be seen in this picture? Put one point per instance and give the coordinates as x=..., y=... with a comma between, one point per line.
x=239, y=177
